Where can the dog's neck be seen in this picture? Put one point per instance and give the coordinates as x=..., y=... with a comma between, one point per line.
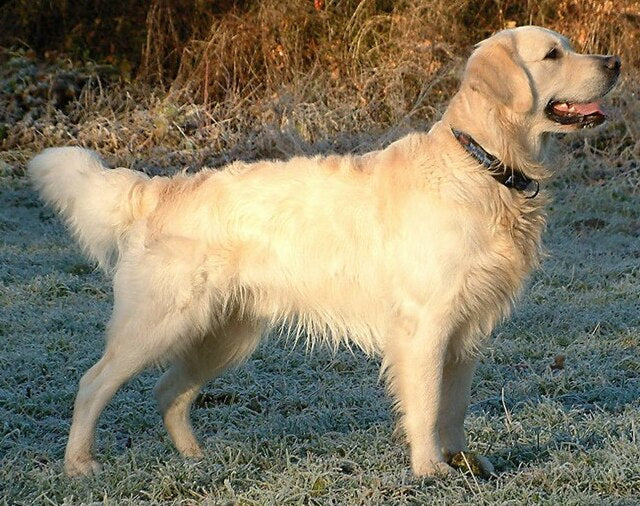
x=505, y=175
x=504, y=136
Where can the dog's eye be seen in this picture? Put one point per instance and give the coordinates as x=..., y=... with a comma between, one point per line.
x=554, y=54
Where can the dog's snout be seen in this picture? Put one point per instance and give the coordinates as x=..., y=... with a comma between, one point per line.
x=612, y=64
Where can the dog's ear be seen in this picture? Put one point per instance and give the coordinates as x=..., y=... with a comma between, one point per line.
x=493, y=71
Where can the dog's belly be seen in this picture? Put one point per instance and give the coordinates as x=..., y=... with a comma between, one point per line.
x=333, y=292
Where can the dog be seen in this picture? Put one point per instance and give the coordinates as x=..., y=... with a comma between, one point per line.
x=413, y=252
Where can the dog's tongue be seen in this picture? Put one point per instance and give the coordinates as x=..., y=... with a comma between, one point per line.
x=579, y=108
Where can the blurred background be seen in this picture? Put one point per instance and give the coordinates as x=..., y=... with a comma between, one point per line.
x=247, y=79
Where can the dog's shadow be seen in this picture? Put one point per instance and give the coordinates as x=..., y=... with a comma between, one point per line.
x=285, y=390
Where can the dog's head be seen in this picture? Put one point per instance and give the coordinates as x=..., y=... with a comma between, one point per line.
x=535, y=77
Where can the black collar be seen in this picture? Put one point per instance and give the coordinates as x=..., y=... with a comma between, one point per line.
x=508, y=176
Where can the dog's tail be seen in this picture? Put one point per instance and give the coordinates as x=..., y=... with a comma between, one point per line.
x=98, y=204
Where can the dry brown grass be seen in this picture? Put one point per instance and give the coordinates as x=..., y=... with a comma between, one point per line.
x=271, y=78
x=363, y=50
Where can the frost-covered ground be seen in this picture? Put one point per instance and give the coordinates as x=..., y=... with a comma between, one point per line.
x=555, y=402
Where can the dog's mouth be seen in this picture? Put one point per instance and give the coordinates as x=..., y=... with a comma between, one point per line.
x=580, y=114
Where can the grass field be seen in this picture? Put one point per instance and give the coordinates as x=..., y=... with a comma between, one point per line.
x=555, y=403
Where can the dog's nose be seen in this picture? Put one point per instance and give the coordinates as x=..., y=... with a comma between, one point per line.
x=613, y=64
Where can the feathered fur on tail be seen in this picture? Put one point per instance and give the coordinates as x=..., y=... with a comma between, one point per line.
x=98, y=204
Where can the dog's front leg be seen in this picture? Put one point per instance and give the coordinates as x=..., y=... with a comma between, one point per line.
x=415, y=357
x=456, y=392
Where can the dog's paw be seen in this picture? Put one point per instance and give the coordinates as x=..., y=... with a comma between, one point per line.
x=81, y=467
x=192, y=452
x=436, y=469
x=468, y=461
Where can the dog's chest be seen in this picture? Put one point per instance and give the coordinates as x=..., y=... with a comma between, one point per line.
x=494, y=268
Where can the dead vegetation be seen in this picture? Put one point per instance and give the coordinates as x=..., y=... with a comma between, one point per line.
x=202, y=83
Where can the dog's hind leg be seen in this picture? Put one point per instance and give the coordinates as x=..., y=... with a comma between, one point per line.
x=147, y=327
x=178, y=386
x=138, y=341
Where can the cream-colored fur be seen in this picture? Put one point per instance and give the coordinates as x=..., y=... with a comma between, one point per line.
x=413, y=252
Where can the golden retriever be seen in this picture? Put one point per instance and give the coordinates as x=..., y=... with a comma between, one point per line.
x=414, y=252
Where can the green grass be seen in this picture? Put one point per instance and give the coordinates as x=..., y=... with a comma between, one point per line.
x=291, y=427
